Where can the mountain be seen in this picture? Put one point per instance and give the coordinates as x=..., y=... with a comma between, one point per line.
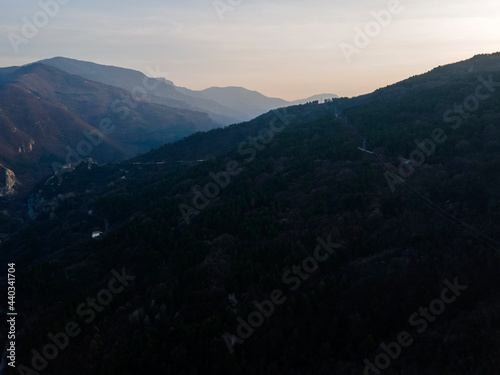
x=61, y=98
x=225, y=105
x=49, y=116
x=320, y=97
x=249, y=103
x=287, y=251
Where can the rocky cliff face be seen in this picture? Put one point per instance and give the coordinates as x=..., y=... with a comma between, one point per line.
x=7, y=181
x=27, y=146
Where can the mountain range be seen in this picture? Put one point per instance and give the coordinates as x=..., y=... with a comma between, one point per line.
x=355, y=236
x=60, y=111
x=225, y=105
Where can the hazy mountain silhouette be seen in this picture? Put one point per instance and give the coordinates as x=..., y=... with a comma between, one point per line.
x=225, y=105
x=250, y=103
x=320, y=97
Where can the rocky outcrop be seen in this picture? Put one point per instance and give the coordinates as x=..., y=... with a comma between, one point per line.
x=7, y=181
x=26, y=147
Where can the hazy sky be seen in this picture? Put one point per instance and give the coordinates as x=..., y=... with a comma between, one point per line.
x=284, y=48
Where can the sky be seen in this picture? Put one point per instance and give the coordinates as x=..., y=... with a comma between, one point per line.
x=282, y=48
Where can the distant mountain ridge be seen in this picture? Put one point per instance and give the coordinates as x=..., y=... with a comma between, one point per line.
x=47, y=107
x=250, y=103
x=225, y=105
x=165, y=92
x=320, y=98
